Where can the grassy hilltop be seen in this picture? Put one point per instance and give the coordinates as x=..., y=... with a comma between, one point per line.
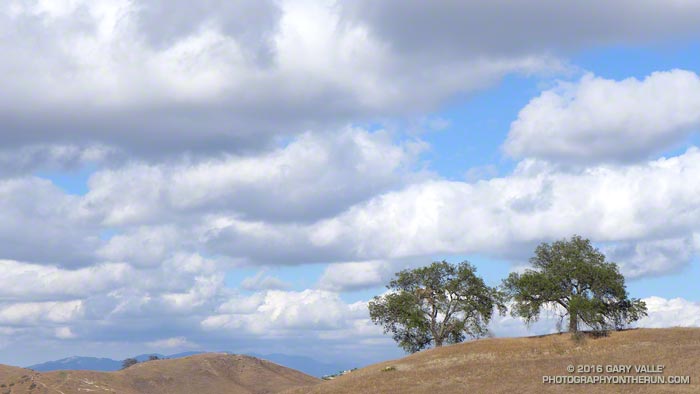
x=517, y=365
x=210, y=373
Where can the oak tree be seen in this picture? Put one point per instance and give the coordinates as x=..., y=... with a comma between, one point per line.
x=573, y=277
x=438, y=304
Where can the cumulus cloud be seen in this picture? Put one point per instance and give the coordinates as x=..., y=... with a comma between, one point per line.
x=675, y=312
x=213, y=79
x=203, y=292
x=44, y=300
x=41, y=223
x=504, y=216
x=277, y=312
x=34, y=313
x=354, y=275
x=226, y=75
x=26, y=281
x=315, y=175
x=598, y=120
x=652, y=257
x=143, y=246
x=508, y=326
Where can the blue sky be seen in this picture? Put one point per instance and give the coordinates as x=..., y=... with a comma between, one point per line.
x=249, y=182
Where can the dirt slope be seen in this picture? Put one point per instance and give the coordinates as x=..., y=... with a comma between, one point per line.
x=201, y=374
x=517, y=365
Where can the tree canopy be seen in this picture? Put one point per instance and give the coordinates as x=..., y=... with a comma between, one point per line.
x=437, y=304
x=574, y=277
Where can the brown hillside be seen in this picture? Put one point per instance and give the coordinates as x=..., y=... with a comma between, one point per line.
x=211, y=373
x=517, y=365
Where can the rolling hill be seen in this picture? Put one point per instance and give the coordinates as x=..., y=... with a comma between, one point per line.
x=518, y=365
x=210, y=373
x=306, y=365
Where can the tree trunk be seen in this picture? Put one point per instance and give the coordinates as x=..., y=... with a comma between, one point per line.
x=438, y=342
x=573, y=322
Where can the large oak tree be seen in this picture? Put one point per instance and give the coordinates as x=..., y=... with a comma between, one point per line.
x=437, y=304
x=573, y=277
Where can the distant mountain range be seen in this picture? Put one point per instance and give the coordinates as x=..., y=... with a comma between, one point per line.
x=300, y=363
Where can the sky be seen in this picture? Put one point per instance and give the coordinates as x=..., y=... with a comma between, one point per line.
x=247, y=175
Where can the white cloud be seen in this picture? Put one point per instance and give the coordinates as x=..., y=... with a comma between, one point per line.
x=144, y=246
x=509, y=326
x=651, y=257
x=315, y=175
x=24, y=281
x=597, y=119
x=172, y=343
x=41, y=223
x=34, y=313
x=509, y=215
x=278, y=312
x=221, y=81
x=676, y=312
x=203, y=292
x=354, y=275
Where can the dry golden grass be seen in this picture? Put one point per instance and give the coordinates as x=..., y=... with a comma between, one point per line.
x=201, y=374
x=517, y=365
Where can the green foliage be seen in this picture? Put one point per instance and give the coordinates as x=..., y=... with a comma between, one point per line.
x=573, y=275
x=440, y=303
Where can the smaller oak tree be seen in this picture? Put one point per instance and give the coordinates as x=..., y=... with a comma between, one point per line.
x=574, y=277
x=440, y=303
